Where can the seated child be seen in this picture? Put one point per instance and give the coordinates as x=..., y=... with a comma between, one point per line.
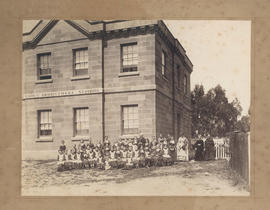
x=106, y=158
x=158, y=156
x=100, y=161
x=142, y=158
x=63, y=147
x=85, y=157
x=136, y=156
x=124, y=149
x=73, y=153
x=166, y=157
x=91, y=157
x=78, y=162
x=118, y=163
x=112, y=159
x=61, y=160
x=129, y=163
x=147, y=157
x=82, y=146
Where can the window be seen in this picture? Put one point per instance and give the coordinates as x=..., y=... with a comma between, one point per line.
x=81, y=121
x=130, y=120
x=44, y=69
x=163, y=63
x=178, y=76
x=80, y=62
x=129, y=55
x=185, y=84
x=44, y=123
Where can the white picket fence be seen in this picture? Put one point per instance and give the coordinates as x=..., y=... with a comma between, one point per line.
x=222, y=149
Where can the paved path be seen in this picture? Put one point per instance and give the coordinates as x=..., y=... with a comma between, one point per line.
x=182, y=179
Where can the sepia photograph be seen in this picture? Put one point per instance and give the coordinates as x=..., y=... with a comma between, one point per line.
x=136, y=108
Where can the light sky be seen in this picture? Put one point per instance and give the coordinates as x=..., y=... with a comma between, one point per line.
x=219, y=51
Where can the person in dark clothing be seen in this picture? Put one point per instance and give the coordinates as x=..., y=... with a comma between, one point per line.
x=63, y=147
x=199, y=148
x=210, y=152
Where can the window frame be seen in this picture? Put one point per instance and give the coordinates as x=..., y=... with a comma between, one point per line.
x=178, y=76
x=132, y=66
x=74, y=62
x=185, y=84
x=39, y=75
x=129, y=131
x=39, y=124
x=163, y=66
x=75, y=131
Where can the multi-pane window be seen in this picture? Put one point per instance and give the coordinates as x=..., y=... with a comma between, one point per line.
x=178, y=76
x=185, y=84
x=81, y=121
x=129, y=55
x=130, y=119
x=80, y=62
x=44, y=123
x=163, y=63
x=44, y=68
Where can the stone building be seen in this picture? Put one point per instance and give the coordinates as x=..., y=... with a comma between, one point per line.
x=90, y=79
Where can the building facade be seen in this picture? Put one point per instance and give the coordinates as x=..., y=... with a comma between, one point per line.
x=87, y=80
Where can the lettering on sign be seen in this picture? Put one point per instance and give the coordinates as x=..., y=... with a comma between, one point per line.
x=62, y=93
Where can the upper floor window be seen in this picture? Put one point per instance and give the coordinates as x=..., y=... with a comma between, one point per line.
x=129, y=57
x=44, y=66
x=44, y=123
x=130, y=119
x=80, y=62
x=178, y=76
x=163, y=63
x=185, y=84
x=81, y=121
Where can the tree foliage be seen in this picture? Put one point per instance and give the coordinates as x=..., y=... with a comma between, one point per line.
x=212, y=113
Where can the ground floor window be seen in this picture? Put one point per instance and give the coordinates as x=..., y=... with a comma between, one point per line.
x=130, y=119
x=44, y=123
x=81, y=121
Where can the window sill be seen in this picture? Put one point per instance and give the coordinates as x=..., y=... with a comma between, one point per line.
x=45, y=139
x=44, y=81
x=78, y=138
x=127, y=74
x=80, y=77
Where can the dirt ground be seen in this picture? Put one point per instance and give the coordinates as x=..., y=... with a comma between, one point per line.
x=205, y=178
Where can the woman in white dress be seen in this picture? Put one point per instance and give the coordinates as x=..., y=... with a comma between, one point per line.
x=182, y=149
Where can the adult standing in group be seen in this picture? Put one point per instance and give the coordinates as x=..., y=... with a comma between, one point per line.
x=199, y=149
x=182, y=149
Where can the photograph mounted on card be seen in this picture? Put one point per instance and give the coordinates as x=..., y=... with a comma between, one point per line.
x=136, y=108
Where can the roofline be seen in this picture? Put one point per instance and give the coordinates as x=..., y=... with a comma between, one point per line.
x=28, y=33
x=102, y=21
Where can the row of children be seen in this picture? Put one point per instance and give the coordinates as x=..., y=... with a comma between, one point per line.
x=125, y=154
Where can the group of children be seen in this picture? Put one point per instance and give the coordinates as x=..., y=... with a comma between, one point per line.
x=125, y=153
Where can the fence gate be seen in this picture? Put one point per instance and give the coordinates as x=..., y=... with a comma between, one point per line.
x=222, y=149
